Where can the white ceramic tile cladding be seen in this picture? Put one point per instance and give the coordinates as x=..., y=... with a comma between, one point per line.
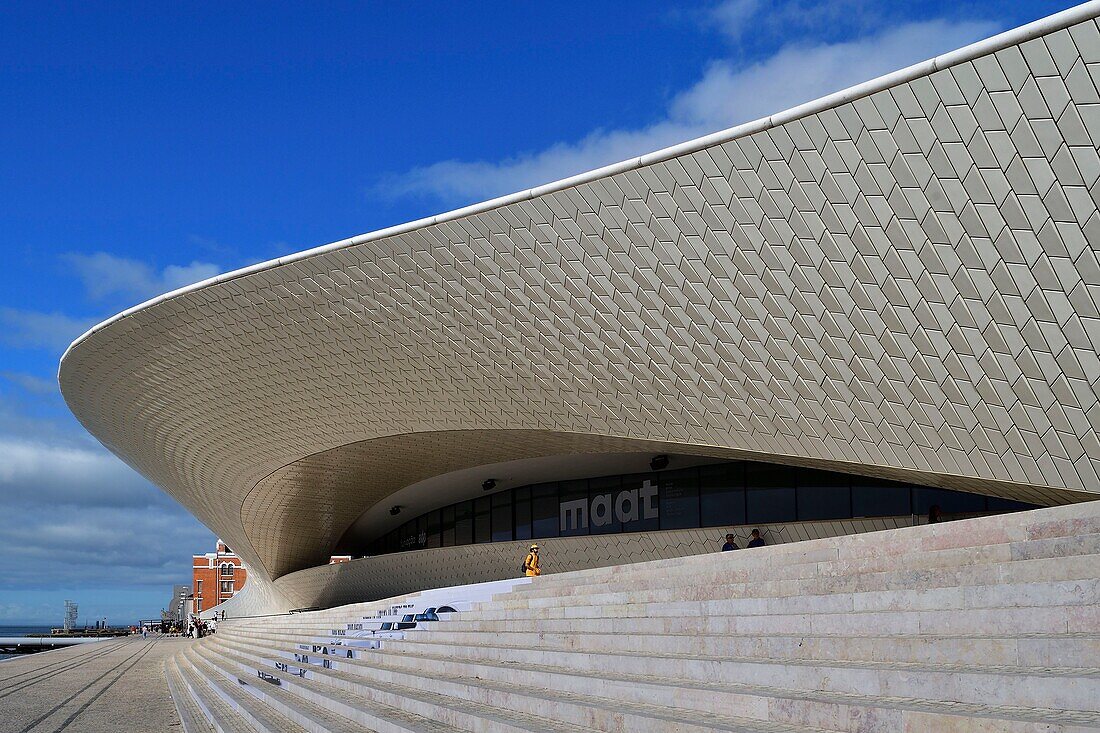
x=904, y=284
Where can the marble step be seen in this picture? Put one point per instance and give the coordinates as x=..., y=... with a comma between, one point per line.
x=344, y=712
x=219, y=706
x=1070, y=688
x=1046, y=529
x=410, y=696
x=192, y=717
x=1043, y=650
x=254, y=705
x=1074, y=619
x=1033, y=650
x=1058, y=593
x=537, y=708
x=1047, y=570
x=1023, y=620
x=802, y=709
x=1081, y=592
x=729, y=567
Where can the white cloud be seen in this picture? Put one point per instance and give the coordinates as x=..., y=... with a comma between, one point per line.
x=31, y=383
x=31, y=329
x=753, y=20
x=74, y=515
x=99, y=546
x=726, y=95
x=733, y=17
x=104, y=274
x=50, y=474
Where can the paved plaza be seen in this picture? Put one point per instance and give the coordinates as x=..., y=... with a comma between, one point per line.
x=114, y=685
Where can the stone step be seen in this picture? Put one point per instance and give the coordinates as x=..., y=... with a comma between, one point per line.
x=1025, y=620
x=1046, y=595
x=343, y=712
x=704, y=602
x=726, y=568
x=215, y=703
x=1082, y=618
x=799, y=708
x=330, y=686
x=1039, y=650
x=573, y=711
x=1043, y=650
x=1054, y=551
x=192, y=718
x=1048, y=530
x=1073, y=688
x=1046, y=570
x=255, y=708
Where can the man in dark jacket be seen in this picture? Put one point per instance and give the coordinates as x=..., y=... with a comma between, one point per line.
x=757, y=540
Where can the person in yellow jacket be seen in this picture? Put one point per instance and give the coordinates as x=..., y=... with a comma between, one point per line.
x=531, y=562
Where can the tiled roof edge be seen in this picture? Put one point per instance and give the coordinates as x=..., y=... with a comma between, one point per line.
x=1013, y=37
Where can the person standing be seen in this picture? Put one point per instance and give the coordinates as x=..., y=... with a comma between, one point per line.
x=757, y=540
x=730, y=544
x=531, y=562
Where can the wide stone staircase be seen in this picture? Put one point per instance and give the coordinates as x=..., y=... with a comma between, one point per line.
x=988, y=624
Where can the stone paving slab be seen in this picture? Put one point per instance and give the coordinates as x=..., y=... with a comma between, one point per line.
x=109, y=686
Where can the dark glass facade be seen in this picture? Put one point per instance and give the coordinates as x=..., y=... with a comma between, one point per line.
x=714, y=495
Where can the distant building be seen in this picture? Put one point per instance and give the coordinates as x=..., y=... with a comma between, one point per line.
x=177, y=607
x=216, y=577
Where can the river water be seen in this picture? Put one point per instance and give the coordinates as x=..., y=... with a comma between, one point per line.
x=20, y=631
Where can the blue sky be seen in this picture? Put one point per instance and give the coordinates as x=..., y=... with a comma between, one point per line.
x=149, y=145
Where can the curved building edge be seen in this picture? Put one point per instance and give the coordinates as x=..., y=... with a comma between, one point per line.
x=295, y=500
x=969, y=52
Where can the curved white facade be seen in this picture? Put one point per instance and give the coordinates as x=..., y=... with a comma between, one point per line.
x=901, y=280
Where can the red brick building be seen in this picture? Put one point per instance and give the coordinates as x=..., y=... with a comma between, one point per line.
x=216, y=577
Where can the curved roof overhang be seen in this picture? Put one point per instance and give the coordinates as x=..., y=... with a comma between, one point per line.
x=896, y=280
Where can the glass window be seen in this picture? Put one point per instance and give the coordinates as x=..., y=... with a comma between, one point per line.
x=522, y=506
x=722, y=494
x=601, y=505
x=823, y=495
x=544, y=510
x=769, y=493
x=482, y=527
x=447, y=526
x=502, y=516
x=421, y=531
x=640, y=503
x=874, y=498
x=464, y=523
x=432, y=535
x=680, y=499
x=408, y=535
x=997, y=504
x=950, y=502
x=573, y=508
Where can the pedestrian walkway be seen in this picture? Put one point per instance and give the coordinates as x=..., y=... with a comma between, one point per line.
x=113, y=685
